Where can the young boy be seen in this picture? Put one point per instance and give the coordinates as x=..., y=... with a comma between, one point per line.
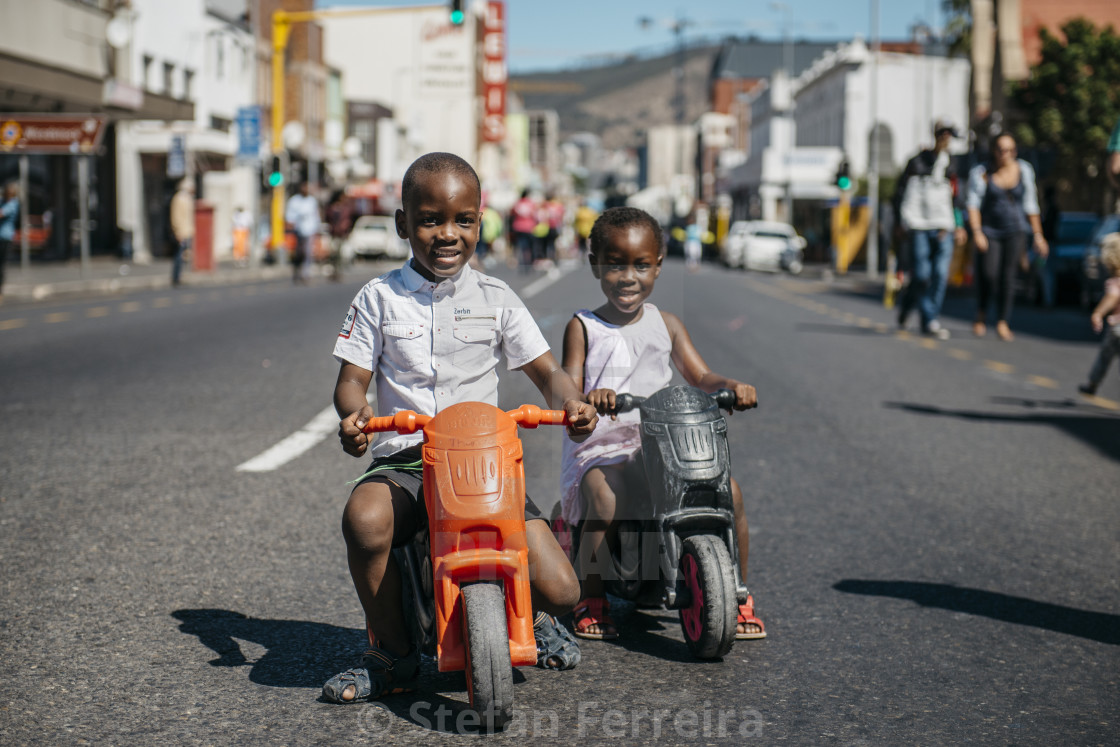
x=433, y=333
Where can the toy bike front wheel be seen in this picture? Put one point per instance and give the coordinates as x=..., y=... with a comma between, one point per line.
x=709, y=619
x=489, y=672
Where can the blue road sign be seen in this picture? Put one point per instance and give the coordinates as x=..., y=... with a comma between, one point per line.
x=248, y=133
x=177, y=157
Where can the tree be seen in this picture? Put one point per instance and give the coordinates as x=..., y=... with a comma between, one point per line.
x=958, y=26
x=1071, y=100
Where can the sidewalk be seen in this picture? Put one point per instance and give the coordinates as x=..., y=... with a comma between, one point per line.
x=50, y=280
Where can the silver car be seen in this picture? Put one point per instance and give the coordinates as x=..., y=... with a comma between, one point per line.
x=375, y=236
x=763, y=245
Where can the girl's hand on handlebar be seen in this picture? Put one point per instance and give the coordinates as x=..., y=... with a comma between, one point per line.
x=603, y=400
x=581, y=419
x=354, y=442
x=745, y=395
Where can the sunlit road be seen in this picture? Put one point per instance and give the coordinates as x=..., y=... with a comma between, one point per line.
x=935, y=530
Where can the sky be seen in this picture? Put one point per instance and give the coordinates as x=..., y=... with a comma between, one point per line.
x=557, y=34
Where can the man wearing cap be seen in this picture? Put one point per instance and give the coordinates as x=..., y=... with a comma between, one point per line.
x=927, y=198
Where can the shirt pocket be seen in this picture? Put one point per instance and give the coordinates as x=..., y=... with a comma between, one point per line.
x=406, y=345
x=474, y=343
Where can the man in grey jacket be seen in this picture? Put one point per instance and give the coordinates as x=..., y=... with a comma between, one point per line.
x=927, y=211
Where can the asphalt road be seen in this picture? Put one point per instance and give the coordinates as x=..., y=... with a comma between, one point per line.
x=935, y=530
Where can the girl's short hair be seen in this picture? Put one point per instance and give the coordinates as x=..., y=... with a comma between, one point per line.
x=623, y=217
x=1110, y=253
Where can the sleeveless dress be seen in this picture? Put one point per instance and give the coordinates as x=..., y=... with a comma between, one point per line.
x=635, y=359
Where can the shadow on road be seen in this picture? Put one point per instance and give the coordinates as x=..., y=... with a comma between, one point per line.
x=646, y=631
x=1094, y=626
x=1095, y=427
x=297, y=653
x=838, y=329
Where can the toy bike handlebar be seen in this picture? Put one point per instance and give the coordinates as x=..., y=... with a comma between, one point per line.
x=724, y=398
x=407, y=421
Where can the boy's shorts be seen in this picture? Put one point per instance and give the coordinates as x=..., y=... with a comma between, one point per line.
x=405, y=468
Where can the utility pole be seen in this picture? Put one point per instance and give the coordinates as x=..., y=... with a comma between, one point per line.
x=873, y=157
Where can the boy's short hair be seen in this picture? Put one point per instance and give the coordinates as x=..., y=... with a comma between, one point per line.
x=436, y=163
x=623, y=217
x=1110, y=252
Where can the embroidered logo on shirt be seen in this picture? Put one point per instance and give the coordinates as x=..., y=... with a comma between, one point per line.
x=348, y=325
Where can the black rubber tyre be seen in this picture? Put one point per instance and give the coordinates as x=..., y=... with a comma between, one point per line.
x=709, y=620
x=489, y=672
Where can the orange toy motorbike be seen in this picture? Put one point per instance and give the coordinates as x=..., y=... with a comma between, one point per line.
x=466, y=575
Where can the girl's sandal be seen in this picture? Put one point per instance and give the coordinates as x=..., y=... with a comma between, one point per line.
x=594, y=611
x=378, y=673
x=556, y=649
x=747, y=617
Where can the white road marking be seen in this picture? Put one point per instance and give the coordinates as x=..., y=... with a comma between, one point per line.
x=553, y=274
x=321, y=426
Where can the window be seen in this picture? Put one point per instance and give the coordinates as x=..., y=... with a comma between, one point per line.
x=188, y=79
x=221, y=124
x=220, y=48
x=146, y=72
x=168, y=76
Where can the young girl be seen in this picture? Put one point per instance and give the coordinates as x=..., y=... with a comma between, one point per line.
x=1110, y=302
x=626, y=345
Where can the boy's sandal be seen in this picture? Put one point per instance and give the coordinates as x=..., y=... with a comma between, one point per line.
x=378, y=673
x=747, y=617
x=556, y=649
x=594, y=611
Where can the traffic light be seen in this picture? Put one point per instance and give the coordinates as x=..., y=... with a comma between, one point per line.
x=843, y=180
x=456, y=9
x=276, y=175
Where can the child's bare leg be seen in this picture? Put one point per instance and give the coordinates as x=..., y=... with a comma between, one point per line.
x=743, y=539
x=603, y=489
x=553, y=582
x=376, y=513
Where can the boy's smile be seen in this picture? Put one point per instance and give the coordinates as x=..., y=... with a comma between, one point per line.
x=627, y=270
x=441, y=223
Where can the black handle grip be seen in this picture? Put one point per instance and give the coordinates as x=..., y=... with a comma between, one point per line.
x=725, y=399
x=627, y=402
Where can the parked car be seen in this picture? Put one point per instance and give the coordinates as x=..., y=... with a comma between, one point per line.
x=1059, y=278
x=763, y=245
x=1092, y=271
x=375, y=236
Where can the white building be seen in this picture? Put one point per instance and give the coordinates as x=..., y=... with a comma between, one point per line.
x=200, y=51
x=794, y=152
x=419, y=65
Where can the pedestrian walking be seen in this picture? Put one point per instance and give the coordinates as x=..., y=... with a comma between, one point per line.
x=522, y=223
x=182, y=226
x=242, y=230
x=693, y=247
x=340, y=218
x=9, y=216
x=927, y=191
x=302, y=213
x=584, y=219
x=1112, y=165
x=1107, y=315
x=1002, y=211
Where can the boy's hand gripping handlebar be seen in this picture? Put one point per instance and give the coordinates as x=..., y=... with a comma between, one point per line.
x=408, y=421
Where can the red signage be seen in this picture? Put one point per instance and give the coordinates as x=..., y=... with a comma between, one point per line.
x=46, y=134
x=494, y=73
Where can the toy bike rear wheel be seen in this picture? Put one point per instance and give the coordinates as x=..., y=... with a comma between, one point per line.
x=489, y=672
x=709, y=619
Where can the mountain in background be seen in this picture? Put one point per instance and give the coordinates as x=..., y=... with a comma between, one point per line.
x=620, y=102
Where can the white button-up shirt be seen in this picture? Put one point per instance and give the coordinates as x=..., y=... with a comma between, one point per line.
x=430, y=345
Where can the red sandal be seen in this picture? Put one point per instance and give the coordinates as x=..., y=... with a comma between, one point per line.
x=594, y=611
x=746, y=616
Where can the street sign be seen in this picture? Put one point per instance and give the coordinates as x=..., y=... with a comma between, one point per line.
x=248, y=133
x=46, y=134
x=177, y=157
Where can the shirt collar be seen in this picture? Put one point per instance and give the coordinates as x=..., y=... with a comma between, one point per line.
x=414, y=281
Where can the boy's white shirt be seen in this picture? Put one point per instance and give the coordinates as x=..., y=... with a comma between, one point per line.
x=430, y=345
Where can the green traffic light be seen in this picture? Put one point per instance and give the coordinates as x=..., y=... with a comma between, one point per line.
x=456, y=17
x=843, y=182
x=275, y=179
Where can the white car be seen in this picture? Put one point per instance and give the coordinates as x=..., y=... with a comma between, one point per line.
x=375, y=236
x=763, y=245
